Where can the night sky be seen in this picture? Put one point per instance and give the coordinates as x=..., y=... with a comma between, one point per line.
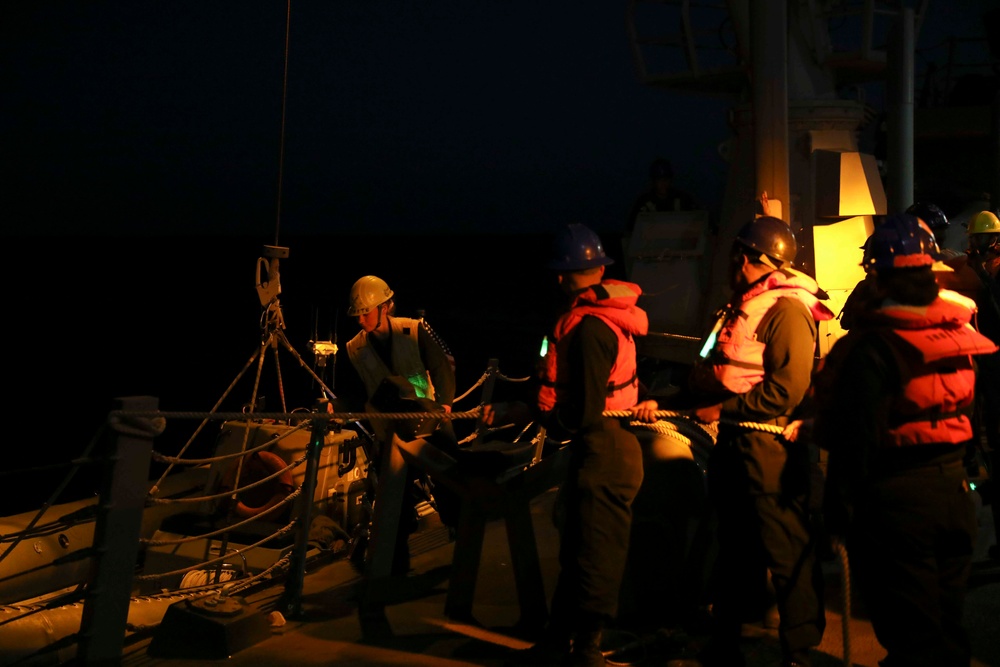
x=165, y=117
x=440, y=116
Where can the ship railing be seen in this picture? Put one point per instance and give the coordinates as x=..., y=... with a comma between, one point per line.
x=125, y=451
x=123, y=498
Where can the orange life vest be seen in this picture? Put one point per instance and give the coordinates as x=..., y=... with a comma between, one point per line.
x=736, y=360
x=933, y=347
x=613, y=301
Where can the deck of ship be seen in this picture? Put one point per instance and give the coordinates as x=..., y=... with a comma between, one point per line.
x=328, y=629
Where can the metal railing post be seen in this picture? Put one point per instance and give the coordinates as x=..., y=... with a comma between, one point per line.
x=291, y=602
x=116, y=537
x=487, y=396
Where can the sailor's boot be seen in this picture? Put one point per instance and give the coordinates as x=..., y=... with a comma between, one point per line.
x=549, y=651
x=586, y=651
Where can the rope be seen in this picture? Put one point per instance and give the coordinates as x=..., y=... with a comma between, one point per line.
x=478, y=383
x=283, y=416
x=278, y=533
x=194, y=538
x=284, y=106
x=55, y=495
x=372, y=416
x=506, y=427
x=233, y=588
x=231, y=492
x=215, y=407
x=845, y=569
x=133, y=423
x=482, y=379
x=672, y=430
x=85, y=514
x=148, y=424
x=37, y=607
x=750, y=426
x=501, y=376
x=176, y=460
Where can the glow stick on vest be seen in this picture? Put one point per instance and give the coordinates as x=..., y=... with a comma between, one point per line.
x=712, y=337
x=420, y=385
x=545, y=346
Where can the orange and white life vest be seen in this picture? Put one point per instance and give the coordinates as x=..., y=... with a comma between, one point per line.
x=736, y=360
x=614, y=302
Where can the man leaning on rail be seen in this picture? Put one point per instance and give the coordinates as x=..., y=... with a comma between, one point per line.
x=399, y=365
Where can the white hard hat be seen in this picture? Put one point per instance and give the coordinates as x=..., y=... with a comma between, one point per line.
x=368, y=293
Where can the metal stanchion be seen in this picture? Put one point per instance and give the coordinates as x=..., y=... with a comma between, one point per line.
x=291, y=601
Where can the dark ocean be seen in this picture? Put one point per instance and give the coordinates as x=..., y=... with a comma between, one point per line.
x=91, y=319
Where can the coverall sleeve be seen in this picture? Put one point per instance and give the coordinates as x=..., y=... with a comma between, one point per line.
x=592, y=353
x=847, y=424
x=438, y=365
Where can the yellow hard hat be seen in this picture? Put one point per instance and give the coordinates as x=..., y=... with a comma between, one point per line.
x=368, y=293
x=985, y=222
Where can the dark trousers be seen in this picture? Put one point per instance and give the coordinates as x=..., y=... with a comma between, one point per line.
x=910, y=550
x=604, y=477
x=757, y=533
x=672, y=540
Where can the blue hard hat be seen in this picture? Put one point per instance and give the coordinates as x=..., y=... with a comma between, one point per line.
x=929, y=213
x=576, y=247
x=899, y=243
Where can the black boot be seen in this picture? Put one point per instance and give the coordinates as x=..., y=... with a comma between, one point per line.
x=586, y=651
x=716, y=655
x=799, y=658
x=549, y=651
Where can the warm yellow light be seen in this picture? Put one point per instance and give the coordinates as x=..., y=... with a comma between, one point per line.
x=847, y=184
x=855, y=196
x=838, y=268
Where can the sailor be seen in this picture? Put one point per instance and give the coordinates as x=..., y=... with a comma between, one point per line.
x=893, y=406
x=934, y=218
x=589, y=367
x=404, y=367
x=977, y=274
x=757, y=367
x=661, y=195
x=950, y=278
